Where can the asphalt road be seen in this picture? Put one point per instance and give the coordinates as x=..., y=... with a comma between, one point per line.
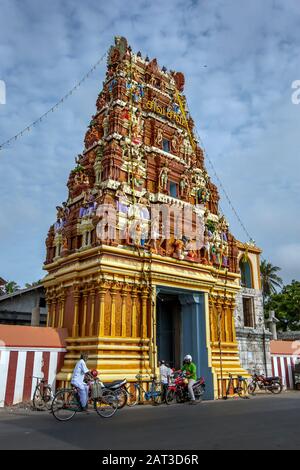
x=264, y=422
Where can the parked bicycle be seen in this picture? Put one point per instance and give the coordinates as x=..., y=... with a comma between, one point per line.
x=269, y=384
x=66, y=402
x=136, y=392
x=240, y=388
x=43, y=394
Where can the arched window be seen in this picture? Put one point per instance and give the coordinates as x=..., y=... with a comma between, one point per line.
x=246, y=274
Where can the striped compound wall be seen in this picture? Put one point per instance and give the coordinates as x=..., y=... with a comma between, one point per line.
x=285, y=354
x=26, y=352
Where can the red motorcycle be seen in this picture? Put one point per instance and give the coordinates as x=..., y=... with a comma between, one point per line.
x=178, y=389
x=270, y=384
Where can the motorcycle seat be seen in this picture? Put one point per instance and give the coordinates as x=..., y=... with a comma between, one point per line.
x=269, y=379
x=113, y=384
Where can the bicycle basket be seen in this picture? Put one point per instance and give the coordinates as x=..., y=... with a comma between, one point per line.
x=96, y=390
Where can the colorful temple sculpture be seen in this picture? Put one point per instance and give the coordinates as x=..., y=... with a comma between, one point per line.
x=141, y=264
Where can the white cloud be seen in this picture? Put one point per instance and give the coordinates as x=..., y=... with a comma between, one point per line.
x=241, y=103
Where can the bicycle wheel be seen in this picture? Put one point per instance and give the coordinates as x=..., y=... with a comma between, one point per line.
x=242, y=389
x=48, y=397
x=171, y=397
x=252, y=388
x=156, y=393
x=106, y=405
x=37, y=401
x=65, y=404
x=133, y=395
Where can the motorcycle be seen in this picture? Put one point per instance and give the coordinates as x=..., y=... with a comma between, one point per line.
x=178, y=389
x=270, y=384
x=120, y=390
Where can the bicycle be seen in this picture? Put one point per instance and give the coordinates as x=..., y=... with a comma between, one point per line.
x=66, y=402
x=43, y=394
x=138, y=393
x=241, y=389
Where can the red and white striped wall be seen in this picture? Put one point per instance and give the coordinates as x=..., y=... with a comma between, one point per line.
x=27, y=352
x=283, y=366
x=18, y=366
x=285, y=354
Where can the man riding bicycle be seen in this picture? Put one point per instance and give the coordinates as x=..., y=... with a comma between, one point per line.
x=79, y=374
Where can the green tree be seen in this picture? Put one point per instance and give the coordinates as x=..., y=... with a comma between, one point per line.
x=270, y=279
x=10, y=287
x=32, y=284
x=286, y=305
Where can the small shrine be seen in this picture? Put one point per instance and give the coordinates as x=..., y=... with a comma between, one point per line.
x=141, y=264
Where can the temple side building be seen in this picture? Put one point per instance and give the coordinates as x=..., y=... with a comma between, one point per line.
x=141, y=264
x=252, y=335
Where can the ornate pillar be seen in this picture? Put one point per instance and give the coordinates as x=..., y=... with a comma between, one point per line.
x=62, y=300
x=85, y=307
x=113, y=293
x=144, y=297
x=54, y=310
x=102, y=292
x=76, y=295
x=93, y=299
x=134, y=295
x=124, y=294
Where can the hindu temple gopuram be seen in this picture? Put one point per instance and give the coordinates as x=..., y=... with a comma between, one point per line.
x=141, y=265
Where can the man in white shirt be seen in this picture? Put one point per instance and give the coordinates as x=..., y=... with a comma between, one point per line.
x=164, y=377
x=77, y=380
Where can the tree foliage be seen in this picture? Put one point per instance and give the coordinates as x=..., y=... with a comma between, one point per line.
x=270, y=279
x=286, y=305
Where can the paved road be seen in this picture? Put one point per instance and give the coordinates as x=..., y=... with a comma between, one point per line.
x=264, y=422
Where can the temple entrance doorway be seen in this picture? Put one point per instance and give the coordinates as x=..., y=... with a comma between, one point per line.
x=182, y=329
x=169, y=329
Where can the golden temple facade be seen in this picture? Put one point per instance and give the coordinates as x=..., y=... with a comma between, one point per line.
x=141, y=265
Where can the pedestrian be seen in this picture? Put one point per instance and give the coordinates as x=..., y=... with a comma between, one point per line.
x=164, y=378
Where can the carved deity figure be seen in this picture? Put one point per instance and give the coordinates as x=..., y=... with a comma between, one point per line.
x=164, y=178
x=122, y=199
x=105, y=125
x=159, y=137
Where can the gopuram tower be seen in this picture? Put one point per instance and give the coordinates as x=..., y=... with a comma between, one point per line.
x=141, y=265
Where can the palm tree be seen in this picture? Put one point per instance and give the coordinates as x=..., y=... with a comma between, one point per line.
x=270, y=279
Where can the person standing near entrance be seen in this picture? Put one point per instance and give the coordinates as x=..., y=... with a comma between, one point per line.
x=191, y=373
x=164, y=378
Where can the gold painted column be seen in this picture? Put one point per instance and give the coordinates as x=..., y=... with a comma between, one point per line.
x=75, y=329
x=102, y=292
x=85, y=307
x=124, y=294
x=134, y=296
x=93, y=299
x=49, y=304
x=61, y=309
x=144, y=297
x=113, y=293
x=54, y=310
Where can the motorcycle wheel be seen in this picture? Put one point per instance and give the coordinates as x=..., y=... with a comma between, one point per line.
x=122, y=398
x=252, y=388
x=170, y=397
x=276, y=388
x=199, y=392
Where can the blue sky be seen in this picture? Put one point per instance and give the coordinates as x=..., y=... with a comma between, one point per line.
x=241, y=104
